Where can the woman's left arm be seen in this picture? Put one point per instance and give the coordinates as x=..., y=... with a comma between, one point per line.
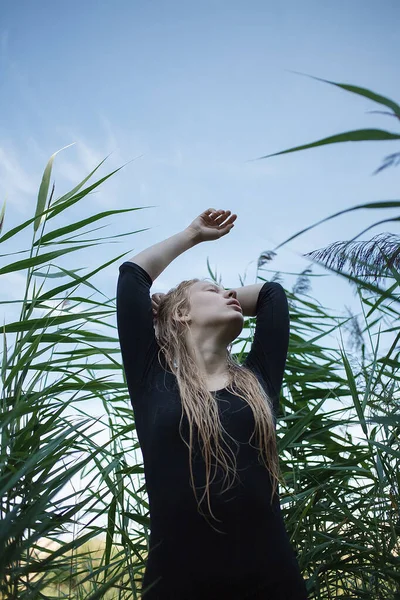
x=248, y=296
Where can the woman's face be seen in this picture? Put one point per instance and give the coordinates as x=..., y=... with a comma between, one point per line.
x=213, y=307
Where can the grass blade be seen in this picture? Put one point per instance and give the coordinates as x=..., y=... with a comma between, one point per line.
x=358, y=135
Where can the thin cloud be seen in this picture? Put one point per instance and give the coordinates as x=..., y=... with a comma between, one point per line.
x=87, y=158
x=14, y=179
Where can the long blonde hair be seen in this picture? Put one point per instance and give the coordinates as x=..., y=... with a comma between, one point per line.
x=199, y=404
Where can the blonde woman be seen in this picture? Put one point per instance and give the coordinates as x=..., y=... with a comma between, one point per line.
x=206, y=426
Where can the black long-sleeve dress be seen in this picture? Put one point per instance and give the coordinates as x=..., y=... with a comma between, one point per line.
x=250, y=556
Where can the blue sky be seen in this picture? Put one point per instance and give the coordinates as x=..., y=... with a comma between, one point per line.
x=193, y=91
x=190, y=93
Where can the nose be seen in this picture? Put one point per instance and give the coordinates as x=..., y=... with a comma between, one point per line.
x=232, y=294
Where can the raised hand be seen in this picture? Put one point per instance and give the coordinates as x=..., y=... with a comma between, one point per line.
x=212, y=224
x=155, y=301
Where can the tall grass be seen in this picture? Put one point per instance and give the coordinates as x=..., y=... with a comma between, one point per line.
x=342, y=506
x=341, y=498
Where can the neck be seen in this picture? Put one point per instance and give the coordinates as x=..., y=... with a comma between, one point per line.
x=212, y=364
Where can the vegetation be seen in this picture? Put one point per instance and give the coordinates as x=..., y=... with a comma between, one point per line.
x=341, y=500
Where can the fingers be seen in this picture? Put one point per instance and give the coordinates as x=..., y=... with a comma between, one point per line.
x=231, y=219
x=218, y=215
x=155, y=301
x=211, y=212
x=221, y=218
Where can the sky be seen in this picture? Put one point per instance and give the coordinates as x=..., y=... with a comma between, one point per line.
x=187, y=95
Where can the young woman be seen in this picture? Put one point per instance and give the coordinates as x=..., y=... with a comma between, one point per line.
x=206, y=427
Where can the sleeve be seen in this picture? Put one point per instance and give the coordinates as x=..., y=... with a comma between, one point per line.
x=139, y=347
x=269, y=349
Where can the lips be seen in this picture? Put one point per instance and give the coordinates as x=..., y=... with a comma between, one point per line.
x=235, y=303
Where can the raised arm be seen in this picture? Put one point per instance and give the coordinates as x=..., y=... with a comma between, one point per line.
x=207, y=226
x=248, y=297
x=136, y=332
x=271, y=338
x=157, y=257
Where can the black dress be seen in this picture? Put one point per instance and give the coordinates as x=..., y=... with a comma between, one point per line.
x=250, y=556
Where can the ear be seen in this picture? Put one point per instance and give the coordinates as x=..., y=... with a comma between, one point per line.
x=184, y=318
